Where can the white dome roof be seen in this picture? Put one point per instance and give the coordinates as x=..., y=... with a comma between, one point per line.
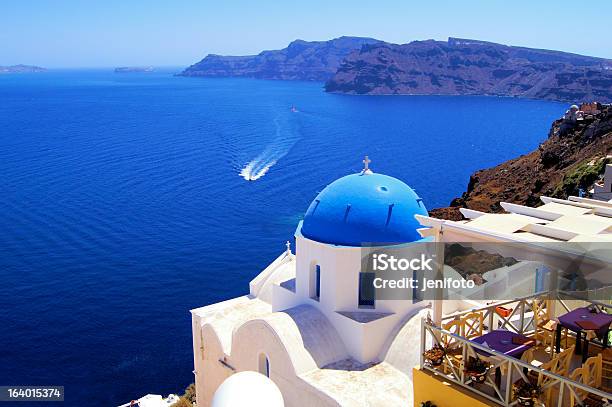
x=247, y=389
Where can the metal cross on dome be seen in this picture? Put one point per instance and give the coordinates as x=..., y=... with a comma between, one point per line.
x=366, y=165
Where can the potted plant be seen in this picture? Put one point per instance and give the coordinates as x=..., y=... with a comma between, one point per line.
x=527, y=393
x=435, y=355
x=476, y=369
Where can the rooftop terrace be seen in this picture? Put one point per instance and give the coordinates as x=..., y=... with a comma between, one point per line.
x=542, y=343
x=557, y=220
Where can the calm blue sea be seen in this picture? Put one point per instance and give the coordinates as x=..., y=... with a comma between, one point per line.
x=123, y=203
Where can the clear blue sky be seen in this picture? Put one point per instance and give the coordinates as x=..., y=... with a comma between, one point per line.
x=82, y=33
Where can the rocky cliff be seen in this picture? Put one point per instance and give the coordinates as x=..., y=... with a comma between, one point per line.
x=301, y=60
x=470, y=67
x=573, y=157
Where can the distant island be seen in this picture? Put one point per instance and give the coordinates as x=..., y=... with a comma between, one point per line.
x=132, y=69
x=470, y=67
x=366, y=66
x=21, y=69
x=301, y=60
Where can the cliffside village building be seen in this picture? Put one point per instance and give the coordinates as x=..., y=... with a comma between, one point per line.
x=586, y=111
x=603, y=190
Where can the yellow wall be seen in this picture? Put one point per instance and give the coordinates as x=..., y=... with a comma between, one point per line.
x=434, y=388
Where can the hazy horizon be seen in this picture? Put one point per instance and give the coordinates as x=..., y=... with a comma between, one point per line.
x=71, y=34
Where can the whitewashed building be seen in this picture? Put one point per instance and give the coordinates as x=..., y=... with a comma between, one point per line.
x=304, y=324
x=603, y=191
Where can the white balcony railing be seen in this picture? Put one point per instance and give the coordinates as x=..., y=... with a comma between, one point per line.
x=504, y=371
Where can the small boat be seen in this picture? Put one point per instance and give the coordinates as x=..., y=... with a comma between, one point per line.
x=293, y=109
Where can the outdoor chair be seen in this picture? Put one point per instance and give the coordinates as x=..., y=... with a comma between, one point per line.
x=606, y=370
x=528, y=356
x=565, y=359
x=545, y=327
x=594, y=367
x=582, y=375
x=453, y=347
x=559, y=365
x=537, y=378
x=473, y=325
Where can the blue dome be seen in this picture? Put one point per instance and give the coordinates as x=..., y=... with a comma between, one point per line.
x=364, y=209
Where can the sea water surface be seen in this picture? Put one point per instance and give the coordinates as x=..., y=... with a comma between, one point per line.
x=128, y=199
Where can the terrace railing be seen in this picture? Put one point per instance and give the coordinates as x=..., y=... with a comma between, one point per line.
x=500, y=391
x=522, y=319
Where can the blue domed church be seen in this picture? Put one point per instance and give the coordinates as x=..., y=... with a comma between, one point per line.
x=310, y=328
x=364, y=209
x=305, y=324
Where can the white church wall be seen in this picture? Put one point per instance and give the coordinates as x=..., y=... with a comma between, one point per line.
x=346, y=288
x=308, y=256
x=281, y=338
x=376, y=335
x=330, y=277
x=210, y=373
x=283, y=299
x=198, y=362
x=256, y=284
x=363, y=342
x=298, y=393
x=283, y=271
x=339, y=290
x=352, y=335
x=340, y=267
x=286, y=359
x=333, y=279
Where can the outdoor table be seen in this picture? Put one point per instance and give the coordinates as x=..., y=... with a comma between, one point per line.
x=500, y=340
x=600, y=320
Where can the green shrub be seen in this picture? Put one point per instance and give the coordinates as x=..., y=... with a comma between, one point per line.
x=581, y=177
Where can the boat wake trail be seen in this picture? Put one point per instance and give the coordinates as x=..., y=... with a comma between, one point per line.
x=256, y=168
x=286, y=136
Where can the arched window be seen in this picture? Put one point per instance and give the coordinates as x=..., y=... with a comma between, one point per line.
x=315, y=282
x=367, y=294
x=264, y=365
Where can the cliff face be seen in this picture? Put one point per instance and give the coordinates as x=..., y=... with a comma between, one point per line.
x=572, y=158
x=469, y=67
x=301, y=60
